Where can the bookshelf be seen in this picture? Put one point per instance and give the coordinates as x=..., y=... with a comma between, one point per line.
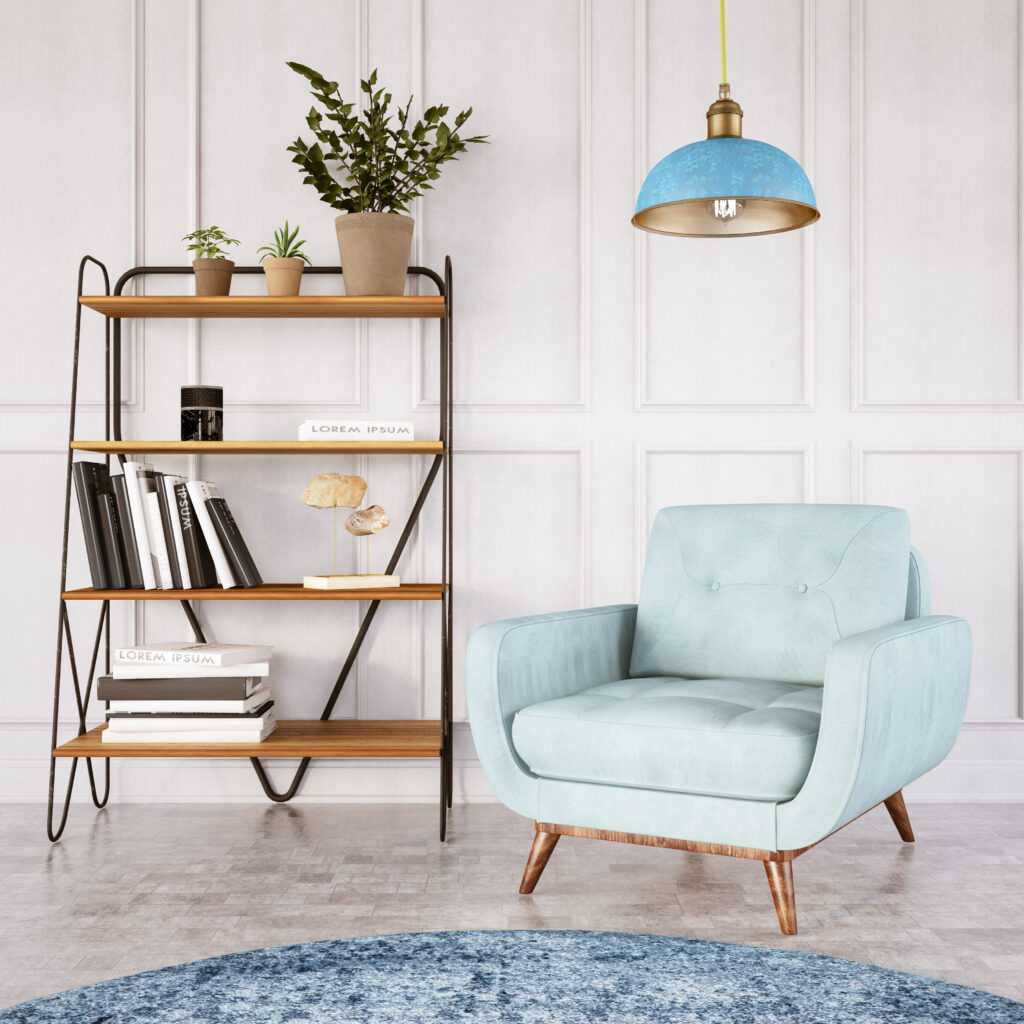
x=302, y=739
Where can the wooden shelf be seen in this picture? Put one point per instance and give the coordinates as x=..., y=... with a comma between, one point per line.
x=264, y=592
x=236, y=306
x=260, y=447
x=295, y=738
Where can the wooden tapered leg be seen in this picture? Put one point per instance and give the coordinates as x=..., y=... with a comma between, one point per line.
x=898, y=812
x=780, y=879
x=540, y=852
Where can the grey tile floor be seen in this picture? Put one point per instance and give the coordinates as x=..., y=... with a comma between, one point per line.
x=137, y=886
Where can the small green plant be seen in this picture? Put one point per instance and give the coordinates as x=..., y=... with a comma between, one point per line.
x=285, y=246
x=207, y=242
x=382, y=163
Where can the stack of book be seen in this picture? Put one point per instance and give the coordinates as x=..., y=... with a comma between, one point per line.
x=146, y=530
x=182, y=692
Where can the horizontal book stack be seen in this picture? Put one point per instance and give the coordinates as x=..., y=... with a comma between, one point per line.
x=182, y=692
x=146, y=530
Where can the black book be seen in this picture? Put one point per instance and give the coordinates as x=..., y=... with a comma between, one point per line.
x=87, y=476
x=165, y=518
x=133, y=567
x=233, y=542
x=177, y=688
x=255, y=713
x=110, y=533
x=201, y=569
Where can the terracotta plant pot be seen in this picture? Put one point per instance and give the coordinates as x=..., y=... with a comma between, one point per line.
x=213, y=277
x=374, y=249
x=284, y=274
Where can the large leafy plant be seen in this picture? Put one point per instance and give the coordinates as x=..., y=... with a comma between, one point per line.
x=373, y=160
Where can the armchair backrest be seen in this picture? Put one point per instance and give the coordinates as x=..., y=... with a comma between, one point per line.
x=765, y=591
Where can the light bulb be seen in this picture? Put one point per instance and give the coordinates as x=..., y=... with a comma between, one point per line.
x=724, y=209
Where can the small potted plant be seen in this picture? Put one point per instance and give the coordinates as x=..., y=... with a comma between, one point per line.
x=284, y=262
x=211, y=265
x=381, y=163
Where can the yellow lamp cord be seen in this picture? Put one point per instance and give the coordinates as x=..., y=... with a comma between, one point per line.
x=721, y=22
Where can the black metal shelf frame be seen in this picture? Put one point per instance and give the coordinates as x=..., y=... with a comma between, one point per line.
x=440, y=464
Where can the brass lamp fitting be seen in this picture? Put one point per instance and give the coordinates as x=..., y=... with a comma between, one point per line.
x=725, y=116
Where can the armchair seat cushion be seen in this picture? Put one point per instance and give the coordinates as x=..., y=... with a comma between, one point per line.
x=743, y=738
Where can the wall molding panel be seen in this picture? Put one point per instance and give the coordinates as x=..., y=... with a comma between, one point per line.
x=601, y=373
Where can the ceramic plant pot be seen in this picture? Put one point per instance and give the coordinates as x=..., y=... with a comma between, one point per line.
x=213, y=277
x=374, y=249
x=284, y=274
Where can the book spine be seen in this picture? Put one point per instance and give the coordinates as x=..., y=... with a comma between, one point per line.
x=201, y=570
x=138, y=511
x=234, y=543
x=85, y=487
x=171, y=484
x=168, y=531
x=218, y=736
x=111, y=540
x=189, y=719
x=124, y=515
x=176, y=688
x=253, y=668
x=157, y=545
x=199, y=491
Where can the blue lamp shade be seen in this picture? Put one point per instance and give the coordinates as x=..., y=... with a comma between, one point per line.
x=725, y=187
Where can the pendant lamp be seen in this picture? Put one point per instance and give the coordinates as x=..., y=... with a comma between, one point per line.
x=726, y=185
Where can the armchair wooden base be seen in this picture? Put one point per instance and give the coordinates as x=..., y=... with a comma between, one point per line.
x=778, y=864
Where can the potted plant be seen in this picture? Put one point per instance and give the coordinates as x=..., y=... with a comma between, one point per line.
x=284, y=262
x=380, y=164
x=211, y=265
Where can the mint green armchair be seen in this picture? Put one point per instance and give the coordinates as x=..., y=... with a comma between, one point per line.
x=781, y=675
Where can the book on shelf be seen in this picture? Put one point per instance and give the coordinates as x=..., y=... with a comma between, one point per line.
x=200, y=491
x=85, y=475
x=233, y=543
x=110, y=533
x=193, y=721
x=133, y=570
x=199, y=562
x=175, y=706
x=255, y=732
x=172, y=530
x=356, y=430
x=188, y=653
x=178, y=688
x=150, y=483
x=157, y=531
x=256, y=668
x=137, y=507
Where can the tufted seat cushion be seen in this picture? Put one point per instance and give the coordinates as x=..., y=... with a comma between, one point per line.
x=748, y=738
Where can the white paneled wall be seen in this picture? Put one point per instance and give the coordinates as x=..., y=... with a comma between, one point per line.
x=601, y=373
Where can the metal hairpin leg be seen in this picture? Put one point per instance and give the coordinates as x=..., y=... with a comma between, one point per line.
x=63, y=623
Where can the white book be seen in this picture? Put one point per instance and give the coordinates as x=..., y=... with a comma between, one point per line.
x=257, y=668
x=186, y=707
x=199, y=491
x=188, y=652
x=213, y=736
x=172, y=723
x=178, y=554
x=138, y=511
x=356, y=430
x=157, y=542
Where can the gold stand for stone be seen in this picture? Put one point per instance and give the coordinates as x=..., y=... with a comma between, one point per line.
x=351, y=581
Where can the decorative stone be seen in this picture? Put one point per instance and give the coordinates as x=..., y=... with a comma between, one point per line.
x=365, y=521
x=332, y=490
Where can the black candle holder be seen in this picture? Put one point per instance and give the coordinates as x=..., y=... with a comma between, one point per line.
x=202, y=413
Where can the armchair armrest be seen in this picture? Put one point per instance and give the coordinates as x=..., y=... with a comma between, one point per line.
x=513, y=663
x=893, y=705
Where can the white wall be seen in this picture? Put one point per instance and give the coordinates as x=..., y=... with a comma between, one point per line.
x=601, y=372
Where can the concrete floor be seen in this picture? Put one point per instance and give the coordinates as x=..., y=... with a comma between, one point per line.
x=139, y=886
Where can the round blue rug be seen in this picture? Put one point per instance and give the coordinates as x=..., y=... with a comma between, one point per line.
x=519, y=977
